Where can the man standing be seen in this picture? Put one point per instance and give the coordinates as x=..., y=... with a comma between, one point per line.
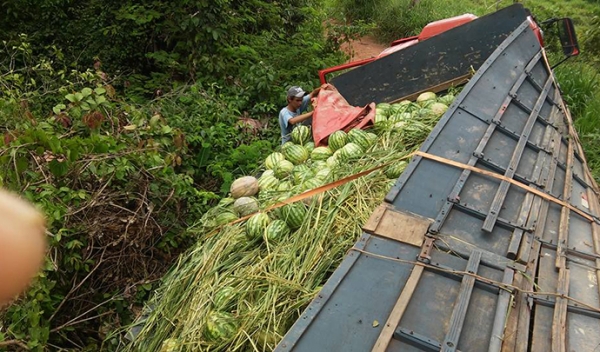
x=291, y=115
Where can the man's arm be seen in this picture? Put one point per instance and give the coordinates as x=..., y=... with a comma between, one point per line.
x=300, y=118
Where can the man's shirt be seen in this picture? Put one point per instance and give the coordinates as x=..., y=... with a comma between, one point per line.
x=285, y=116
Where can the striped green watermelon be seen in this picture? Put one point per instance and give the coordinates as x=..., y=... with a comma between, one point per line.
x=351, y=151
x=225, y=202
x=225, y=217
x=284, y=186
x=310, y=146
x=337, y=140
x=276, y=231
x=287, y=145
x=311, y=183
x=333, y=162
x=268, y=183
x=395, y=170
x=446, y=99
x=297, y=154
x=220, y=326
x=323, y=174
x=301, y=174
x=360, y=138
x=383, y=109
x=301, y=134
x=381, y=117
x=293, y=215
x=372, y=137
x=283, y=168
x=245, y=206
x=224, y=299
x=321, y=153
x=318, y=165
x=273, y=159
x=256, y=225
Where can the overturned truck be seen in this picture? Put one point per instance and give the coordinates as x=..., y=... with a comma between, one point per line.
x=489, y=241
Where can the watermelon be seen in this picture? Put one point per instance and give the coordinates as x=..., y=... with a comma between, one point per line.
x=220, y=326
x=351, y=151
x=283, y=168
x=268, y=183
x=246, y=186
x=225, y=202
x=284, y=186
x=225, y=217
x=245, y=206
x=381, y=117
x=395, y=170
x=311, y=183
x=293, y=215
x=286, y=145
x=301, y=134
x=438, y=109
x=170, y=345
x=423, y=97
x=446, y=99
x=297, y=154
x=323, y=174
x=266, y=173
x=276, y=231
x=333, y=162
x=301, y=174
x=224, y=299
x=337, y=140
x=359, y=137
x=256, y=225
x=372, y=137
x=318, y=165
x=273, y=159
x=309, y=146
x=321, y=153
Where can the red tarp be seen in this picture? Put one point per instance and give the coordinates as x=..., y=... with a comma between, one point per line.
x=332, y=112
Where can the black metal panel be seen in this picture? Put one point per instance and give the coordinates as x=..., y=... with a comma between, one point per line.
x=439, y=59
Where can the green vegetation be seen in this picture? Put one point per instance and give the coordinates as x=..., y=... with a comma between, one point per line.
x=126, y=121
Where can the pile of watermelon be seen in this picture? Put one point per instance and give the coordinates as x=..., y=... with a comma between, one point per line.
x=245, y=283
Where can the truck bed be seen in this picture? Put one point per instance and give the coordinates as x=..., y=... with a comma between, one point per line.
x=489, y=241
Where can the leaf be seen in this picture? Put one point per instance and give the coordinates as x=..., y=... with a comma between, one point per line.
x=86, y=91
x=78, y=96
x=71, y=98
x=57, y=168
x=100, y=90
x=85, y=106
x=58, y=108
x=100, y=99
x=130, y=127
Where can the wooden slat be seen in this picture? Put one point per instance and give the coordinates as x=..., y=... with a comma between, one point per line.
x=399, y=226
x=459, y=313
x=501, y=314
x=559, y=321
x=399, y=308
x=563, y=233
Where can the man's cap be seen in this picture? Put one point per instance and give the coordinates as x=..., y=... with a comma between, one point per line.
x=296, y=91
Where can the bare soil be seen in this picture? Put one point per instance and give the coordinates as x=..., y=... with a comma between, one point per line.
x=363, y=48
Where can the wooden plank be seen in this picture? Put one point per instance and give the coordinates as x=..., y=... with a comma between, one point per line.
x=559, y=321
x=563, y=233
x=399, y=226
x=399, y=308
x=524, y=303
x=459, y=313
x=501, y=313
